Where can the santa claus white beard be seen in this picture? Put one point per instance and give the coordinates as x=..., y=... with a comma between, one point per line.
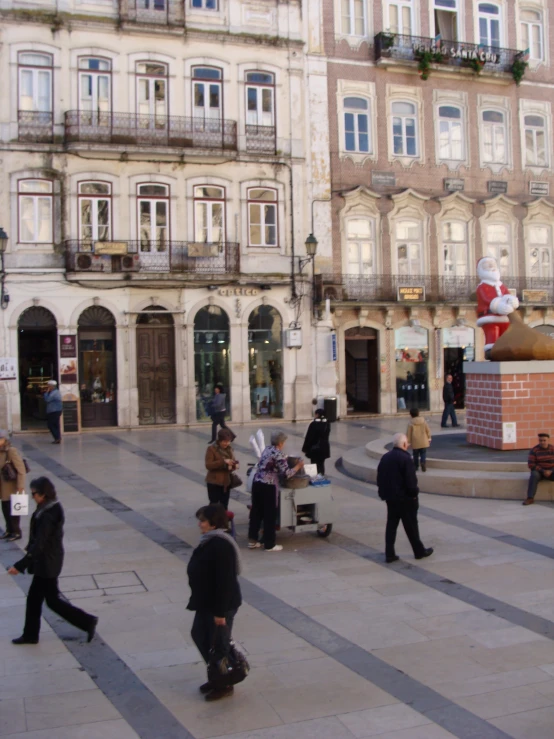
x=488, y=275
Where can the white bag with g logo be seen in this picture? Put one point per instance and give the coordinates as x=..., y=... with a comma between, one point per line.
x=19, y=504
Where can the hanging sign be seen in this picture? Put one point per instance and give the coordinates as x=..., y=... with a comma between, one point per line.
x=411, y=337
x=8, y=368
x=408, y=293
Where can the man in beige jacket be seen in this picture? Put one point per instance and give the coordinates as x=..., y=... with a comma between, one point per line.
x=419, y=438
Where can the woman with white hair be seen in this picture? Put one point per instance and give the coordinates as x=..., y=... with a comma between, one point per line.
x=10, y=456
x=265, y=492
x=54, y=407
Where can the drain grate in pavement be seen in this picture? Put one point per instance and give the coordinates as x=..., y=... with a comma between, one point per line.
x=102, y=583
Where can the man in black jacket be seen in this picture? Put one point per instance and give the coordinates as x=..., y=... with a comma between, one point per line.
x=448, y=397
x=397, y=485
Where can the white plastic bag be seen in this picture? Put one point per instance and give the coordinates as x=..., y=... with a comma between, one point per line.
x=19, y=504
x=260, y=439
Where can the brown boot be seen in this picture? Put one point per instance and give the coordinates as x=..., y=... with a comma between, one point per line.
x=528, y=501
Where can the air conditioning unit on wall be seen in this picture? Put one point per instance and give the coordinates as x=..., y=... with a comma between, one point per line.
x=127, y=263
x=91, y=263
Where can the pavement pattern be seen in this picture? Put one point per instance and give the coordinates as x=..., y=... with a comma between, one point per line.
x=341, y=645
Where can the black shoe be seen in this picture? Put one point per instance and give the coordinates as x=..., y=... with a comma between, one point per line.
x=423, y=467
x=205, y=688
x=13, y=537
x=6, y=535
x=24, y=640
x=215, y=695
x=426, y=553
x=394, y=558
x=91, y=631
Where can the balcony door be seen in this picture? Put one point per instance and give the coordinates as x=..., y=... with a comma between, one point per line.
x=94, y=213
x=209, y=215
x=95, y=91
x=152, y=103
x=153, y=216
x=489, y=25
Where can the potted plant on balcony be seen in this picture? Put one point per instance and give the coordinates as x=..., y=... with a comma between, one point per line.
x=385, y=42
x=519, y=66
x=426, y=57
x=477, y=65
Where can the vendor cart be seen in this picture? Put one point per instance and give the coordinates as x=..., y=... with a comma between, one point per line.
x=311, y=508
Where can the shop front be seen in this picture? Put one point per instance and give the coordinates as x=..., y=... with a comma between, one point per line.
x=458, y=347
x=361, y=370
x=411, y=345
x=38, y=362
x=97, y=367
x=265, y=362
x=211, y=358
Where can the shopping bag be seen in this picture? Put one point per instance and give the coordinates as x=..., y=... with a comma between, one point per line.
x=19, y=504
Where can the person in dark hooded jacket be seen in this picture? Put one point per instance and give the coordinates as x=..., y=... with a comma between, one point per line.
x=44, y=560
x=316, y=443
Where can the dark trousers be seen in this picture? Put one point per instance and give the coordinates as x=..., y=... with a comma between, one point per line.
x=405, y=511
x=419, y=454
x=320, y=464
x=218, y=419
x=203, y=630
x=53, y=423
x=449, y=412
x=263, y=512
x=218, y=494
x=46, y=589
x=12, y=522
x=534, y=478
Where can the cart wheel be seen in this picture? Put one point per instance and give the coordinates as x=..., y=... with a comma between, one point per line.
x=325, y=530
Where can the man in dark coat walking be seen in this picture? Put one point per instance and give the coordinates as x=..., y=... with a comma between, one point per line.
x=397, y=486
x=448, y=397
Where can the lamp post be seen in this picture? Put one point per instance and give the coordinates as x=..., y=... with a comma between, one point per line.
x=311, y=251
x=4, y=299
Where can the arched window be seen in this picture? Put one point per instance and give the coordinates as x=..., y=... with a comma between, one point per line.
x=95, y=206
x=265, y=355
x=209, y=214
x=152, y=102
x=489, y=25
x=207, y=94
x=211, y=357
x=35, y=211
x=494, y=137
x=260, y=99
x=535, y=141
x=360, y=246
x=456, y=251
x=153, y=215
x=356, y=125
x=97, y=367
x=95, y=90
x=532, y=33
x=404, y=129
x=262, y=217
x=35, y=89
x=451, y=137
x=409, y=247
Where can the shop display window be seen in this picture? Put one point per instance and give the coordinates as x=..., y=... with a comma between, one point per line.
x=412, y=367
x=265, y=362
x=211, y=358
x=97, y=369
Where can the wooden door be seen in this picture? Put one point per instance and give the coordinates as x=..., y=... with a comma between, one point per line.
x=156, y=374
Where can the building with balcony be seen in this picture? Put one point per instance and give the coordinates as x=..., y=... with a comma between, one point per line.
x=441, y=150
x=153, y=188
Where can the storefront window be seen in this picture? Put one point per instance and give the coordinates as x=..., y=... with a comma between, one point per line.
x=211, y=357
x=412, y=367
x=459, y=347
x=97, y=368
x=265, y=362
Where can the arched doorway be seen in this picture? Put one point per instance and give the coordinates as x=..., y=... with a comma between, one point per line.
x=97, y=367
x=211, y=357
x=156, y=366
x=362, y=370
x=37, y=334
x=265, y=362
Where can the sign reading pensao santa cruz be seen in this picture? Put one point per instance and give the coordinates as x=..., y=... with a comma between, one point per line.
x=459, y=52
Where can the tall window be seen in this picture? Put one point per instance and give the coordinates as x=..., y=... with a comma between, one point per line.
x=446, y=19
x=540, y=251
x=207, y=93
x=489, y=24
x=494, y=136
x=404, y=131
x=209, y=214
x=204, y=4
x=260, y=99
x=360, y=235
x=499, y=246
x=95, y=205
x=35, y=211
x=451, y=145
x=262, y=217
x=400, y=17
x=95, y=90
x=532, y=34
x=454, y=239
x=153, y=215
x=353, y=17
x=409, y=248
x=152, y=94
x=356, y=125
x=35, y=86
x=535, y=141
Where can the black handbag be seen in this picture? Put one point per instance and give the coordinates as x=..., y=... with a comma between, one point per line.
x=236, y=482
x=226, y=665
x=9, y=473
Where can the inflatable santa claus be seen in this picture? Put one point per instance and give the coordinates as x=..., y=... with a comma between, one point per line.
x=494, y=302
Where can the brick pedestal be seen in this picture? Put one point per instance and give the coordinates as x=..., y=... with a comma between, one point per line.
x=509, y=392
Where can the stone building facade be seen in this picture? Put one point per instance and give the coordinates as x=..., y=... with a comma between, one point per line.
x=154, y=190
x=436, y=157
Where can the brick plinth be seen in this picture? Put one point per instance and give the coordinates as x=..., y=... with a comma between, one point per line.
x=500, y=392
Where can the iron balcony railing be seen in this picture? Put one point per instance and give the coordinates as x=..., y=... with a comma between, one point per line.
x=438, y=288
x=163, y=12
x=451, y=53
x=188, y=257
x=35, y=126
x=260, y=139
x=150, y=130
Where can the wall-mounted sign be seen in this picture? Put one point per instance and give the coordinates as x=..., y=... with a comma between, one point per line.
x=498, y=187
x=459, y=51
x=409, y=293
x=509, y=433
x=110, y=247
x=455, y=337
x=383, y=179
x=539, y=188
x=454, y=184
x=411, y=337
x=68, y=346
x=68, y=371
x=333, y=348
x=238, y=291
x=535, y=296
x=8, y=368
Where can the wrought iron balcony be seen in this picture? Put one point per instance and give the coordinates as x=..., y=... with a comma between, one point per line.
x=162, y=12
x=186, y=257
x=402, y=48
x=260, y=139
x=146, y=130
x=35, y=126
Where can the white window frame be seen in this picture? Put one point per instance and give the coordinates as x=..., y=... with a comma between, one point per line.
x=358, y=242
x=205, y=6
x=209, y=202
x=460, y=122
x=97, y=115
x=420, y=242
x=152, y=119
x=275, y=204
x=489, y=17
x=534, y=130
x=533, y=60
x=453, y=242
x=457, y=11
x=401, y=5
x=536, y=245
x=95, y=198
x=35, y=71
x=492, y=249
x=365, y=91
x=403, y=118
x=356, y=112
x=498, y=105
x=36, y=198
x=152, y=200
x=259, y=87
x=351, y=30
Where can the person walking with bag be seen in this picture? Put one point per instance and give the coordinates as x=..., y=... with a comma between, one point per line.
x=215, y=597
x=218, y=410
x=316, y=443
x=44, y=560
x=221, y=463
x=419, y=438
x=54, y=407
x=12, y=481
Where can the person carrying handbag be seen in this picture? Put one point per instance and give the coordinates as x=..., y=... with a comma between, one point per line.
x=8, y=487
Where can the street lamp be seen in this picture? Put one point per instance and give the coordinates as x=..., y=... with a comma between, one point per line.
x=4, y=299
x=311, y=251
